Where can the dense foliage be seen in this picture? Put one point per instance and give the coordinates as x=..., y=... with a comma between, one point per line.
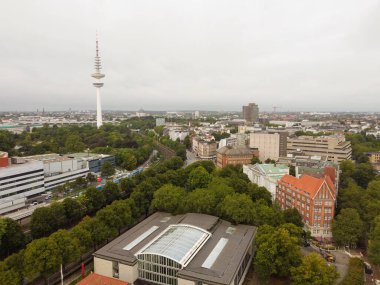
x=355, y=274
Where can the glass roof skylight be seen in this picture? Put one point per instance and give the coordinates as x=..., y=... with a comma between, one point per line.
x=178, y=242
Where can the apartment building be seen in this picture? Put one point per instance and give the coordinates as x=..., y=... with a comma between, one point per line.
x=228, y=155
x=335, y=147
x=204, y=149
x=271, y=144
x=374, y=159
x=313, y=197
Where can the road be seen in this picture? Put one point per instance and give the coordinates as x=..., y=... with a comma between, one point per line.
x=190, y=158
x=341, y=263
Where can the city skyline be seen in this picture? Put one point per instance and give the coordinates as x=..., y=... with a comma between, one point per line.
x=214, y=55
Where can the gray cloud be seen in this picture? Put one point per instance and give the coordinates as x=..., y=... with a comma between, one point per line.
x=169, y=54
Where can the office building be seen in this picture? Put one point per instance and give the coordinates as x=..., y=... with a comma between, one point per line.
x=266, y=175
x=251, y=113
x=189, y=249
x=95, y=160
x=335, y=147
x=314, y=198
x=19, y=180
x=60, y=169
x=271, y=144
x=228, y=155
x=374, y=159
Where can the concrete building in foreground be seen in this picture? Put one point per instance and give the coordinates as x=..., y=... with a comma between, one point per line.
x=335, y=147
x=188, y=249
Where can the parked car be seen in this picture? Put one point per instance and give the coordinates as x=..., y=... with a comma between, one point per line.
x=306, y=243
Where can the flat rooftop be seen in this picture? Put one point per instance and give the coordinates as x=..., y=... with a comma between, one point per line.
x=88, y=156
x=219, y=246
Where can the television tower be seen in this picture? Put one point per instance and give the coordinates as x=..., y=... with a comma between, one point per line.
x=98, y=75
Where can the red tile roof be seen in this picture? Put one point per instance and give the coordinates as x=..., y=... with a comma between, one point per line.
x=308, y=184
x=96, y=279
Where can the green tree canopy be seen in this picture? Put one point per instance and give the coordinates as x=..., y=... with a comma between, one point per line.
x=347, y=227
x=12, y=237
x=238, y=208
x=293, y=216
x=42, y=256
x=374, y=242
x=313, y=271
x=74, y=143
x=277, y=252
x=168, y=198
x=68, y=246
x=199, y=178
x=107, y=169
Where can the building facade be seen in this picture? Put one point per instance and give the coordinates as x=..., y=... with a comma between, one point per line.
x=233, y=156
x=179, y=250
x=266, y=175
x=204, y=149
x=335, y=147
x=314, y=198
x=18, y=181
x=251, y=113
x=271, y=145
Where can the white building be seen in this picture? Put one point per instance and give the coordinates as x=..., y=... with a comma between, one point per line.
x=266, y=175
x=61, y=169
x=271, y=145
x=18, y=181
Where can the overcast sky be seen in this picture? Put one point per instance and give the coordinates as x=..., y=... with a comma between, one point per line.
x=185, y=54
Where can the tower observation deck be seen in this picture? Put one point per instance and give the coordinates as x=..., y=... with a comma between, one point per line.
x=98, y=76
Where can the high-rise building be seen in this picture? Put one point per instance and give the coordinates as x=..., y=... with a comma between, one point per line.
x=98, y=75
x=251, y=113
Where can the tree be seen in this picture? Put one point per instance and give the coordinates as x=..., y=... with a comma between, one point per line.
x=83, y=237
x=42, y=256
x=73, y=210
x=68, y=246
x=374, y=242
x=111, y=192
x=293, y=216
x=95, y=199
x=41, y=222
x=14, y=265
x=98, y=231
x=74, y=143
x=347, y=227
x=168, y=198
x=127, y=185
x=199, y=178
x=200, y=201
x=107, y=169
x=277, y=252
x=363, y=174
x=313, y=271
x=108, y=217
x=255, y=160
x=238, y=208
x=12, y=237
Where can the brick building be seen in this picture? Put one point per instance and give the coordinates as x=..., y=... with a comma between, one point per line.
x=313, y=197
x=233, y=155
